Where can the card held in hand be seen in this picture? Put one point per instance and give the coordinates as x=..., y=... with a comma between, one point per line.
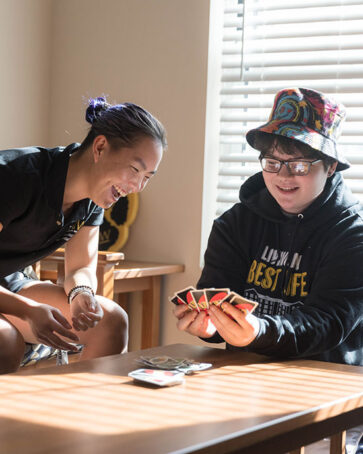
x=176, y=300
x=185, y=295
x=243, y=304
x=200, y=299
x=216, y=295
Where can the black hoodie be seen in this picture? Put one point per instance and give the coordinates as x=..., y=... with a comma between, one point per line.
x=305, y=271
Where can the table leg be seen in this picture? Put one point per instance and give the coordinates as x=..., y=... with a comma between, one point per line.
x=122, y=300
x=36, y=268
x=105, y=280
x=151, y=314
x=298, y=451
x=337, y=443
x=60, y=273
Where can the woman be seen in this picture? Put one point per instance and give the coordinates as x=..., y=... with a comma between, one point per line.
x=52, y=197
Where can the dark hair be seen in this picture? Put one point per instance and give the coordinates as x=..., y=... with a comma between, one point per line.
x=124, y=125
x=264, y=142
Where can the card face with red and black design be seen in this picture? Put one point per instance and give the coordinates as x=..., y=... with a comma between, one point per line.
x=229, y=297
x=200, y=299
x=185, y=294
x=216, y=295
x=243, y=304
x=176, y=300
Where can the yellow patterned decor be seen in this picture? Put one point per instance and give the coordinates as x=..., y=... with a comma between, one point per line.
x=114, y=231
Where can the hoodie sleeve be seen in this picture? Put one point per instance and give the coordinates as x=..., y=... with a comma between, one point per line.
x=330, y=324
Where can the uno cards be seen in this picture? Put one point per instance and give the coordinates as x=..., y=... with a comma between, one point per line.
x=202, y=299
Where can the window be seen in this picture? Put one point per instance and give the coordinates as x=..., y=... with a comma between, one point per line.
x=272, y=44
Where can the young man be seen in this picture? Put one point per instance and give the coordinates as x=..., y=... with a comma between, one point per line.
x=294, y=243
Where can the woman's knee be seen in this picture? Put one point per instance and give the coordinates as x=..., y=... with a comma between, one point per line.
x=115, y=317
x=12, y=347
x=115, y=324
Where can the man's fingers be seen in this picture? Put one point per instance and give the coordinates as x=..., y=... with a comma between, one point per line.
x=185, y=321
x=197, y=324
x=180, y=310
x=202, y=325
x=240, y=330
x=238, y=314
x=221, y=321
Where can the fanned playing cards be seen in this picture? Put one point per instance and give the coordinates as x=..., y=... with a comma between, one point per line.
x=202, y=299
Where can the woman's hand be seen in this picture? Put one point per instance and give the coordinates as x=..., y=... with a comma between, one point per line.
x=240, y=331
x=193, y=322
x=86, y=312
x=46, y=322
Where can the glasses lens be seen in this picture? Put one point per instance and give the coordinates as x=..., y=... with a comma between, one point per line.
x=299, y=167
x=270, y=165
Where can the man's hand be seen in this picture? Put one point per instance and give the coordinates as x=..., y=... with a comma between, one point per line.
x=45, y=322
x=86, y=312
x=240, y=331
x=193, y=322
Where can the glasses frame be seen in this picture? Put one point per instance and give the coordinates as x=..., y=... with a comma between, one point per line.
x=287, y=164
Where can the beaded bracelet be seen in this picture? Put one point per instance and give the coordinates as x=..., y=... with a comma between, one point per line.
x=79, y=289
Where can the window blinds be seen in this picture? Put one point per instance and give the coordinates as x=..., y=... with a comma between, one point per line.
x=274, y=44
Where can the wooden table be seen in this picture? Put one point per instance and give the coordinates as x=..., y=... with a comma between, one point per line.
x=246, y=403
x=117, y=278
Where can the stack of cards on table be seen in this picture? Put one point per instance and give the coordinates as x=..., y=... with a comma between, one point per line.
x=187, y=366
x=158, y=377
x=202, y=299
x=166, y=371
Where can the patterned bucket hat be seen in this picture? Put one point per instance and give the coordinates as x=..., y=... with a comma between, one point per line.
x=308, y=116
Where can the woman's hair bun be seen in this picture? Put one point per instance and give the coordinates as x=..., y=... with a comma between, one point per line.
x=95, y=107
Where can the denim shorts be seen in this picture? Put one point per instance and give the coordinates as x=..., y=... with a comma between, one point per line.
x=15, y=282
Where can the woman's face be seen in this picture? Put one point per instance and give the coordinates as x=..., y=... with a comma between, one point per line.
x=121, y=172
x=295, y=193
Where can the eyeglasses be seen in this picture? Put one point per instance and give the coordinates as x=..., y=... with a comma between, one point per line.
x=294, y=166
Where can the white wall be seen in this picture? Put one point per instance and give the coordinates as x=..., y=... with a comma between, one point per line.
x=56, y=54
x=154, y=53
x=25, y=41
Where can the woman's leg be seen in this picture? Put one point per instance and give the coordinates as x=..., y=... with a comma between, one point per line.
x=12, y=347
x=108, y=337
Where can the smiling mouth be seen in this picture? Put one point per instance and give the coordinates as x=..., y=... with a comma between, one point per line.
x=117, y=192
x=287, y=190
